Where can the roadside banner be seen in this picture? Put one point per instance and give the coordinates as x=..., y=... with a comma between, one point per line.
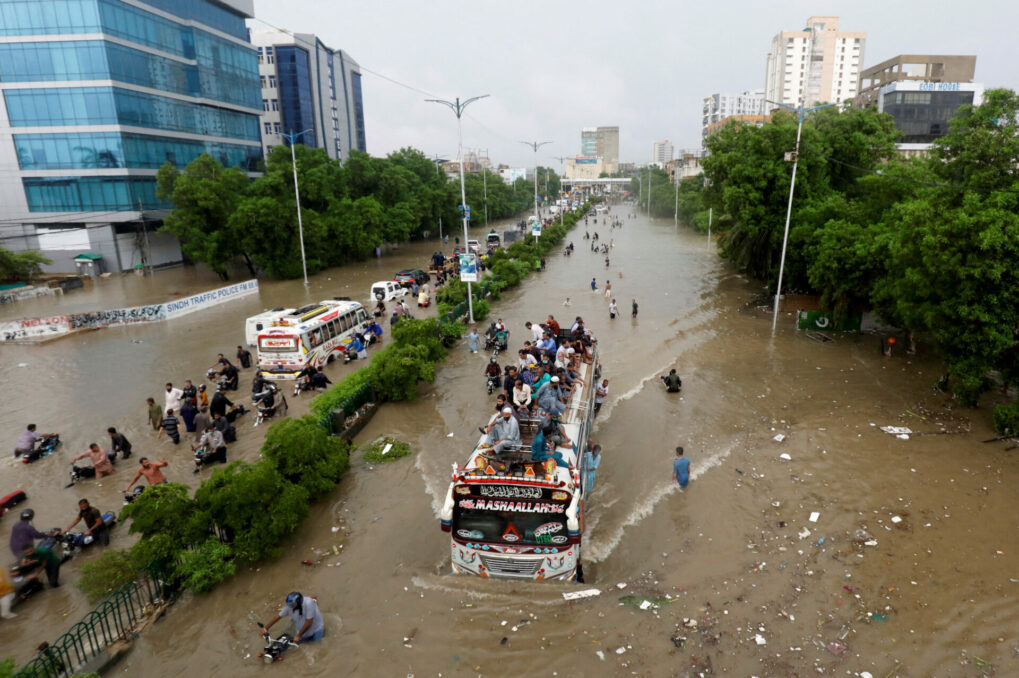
x=197, y=302
x=468, y=267
x=823, y=320
x=536, y=229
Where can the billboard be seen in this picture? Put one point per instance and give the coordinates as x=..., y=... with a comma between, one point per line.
x=468, y=267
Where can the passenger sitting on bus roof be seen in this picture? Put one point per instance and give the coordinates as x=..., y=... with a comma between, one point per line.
x=549, y=397
x=553, y=326
x=553, y=431
x=522, y=399
x=509, y=380
x=547, y=343
x=540, y=451
x=505, y=431
x=525, y=359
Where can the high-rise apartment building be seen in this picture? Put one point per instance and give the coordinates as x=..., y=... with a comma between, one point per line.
x=661, y=152
x=308, y=86
x=817, y=64
x=96, y=96
x=601, y=142
x=718, y=107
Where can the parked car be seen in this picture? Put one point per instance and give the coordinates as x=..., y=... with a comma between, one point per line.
x=387, y=290
x=408, y=276
x=457, y=251
x=474, y=246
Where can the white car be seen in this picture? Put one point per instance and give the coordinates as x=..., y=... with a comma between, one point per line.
x=474, y=246
x=387, y=290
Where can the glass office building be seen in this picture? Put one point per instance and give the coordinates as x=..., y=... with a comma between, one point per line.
x=86, y=121
x=308, y=87
x=922, y=110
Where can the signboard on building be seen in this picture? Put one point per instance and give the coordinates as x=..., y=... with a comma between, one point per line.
x=823, y=320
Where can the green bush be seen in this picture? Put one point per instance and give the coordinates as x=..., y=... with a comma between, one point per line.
x=420, y=333
x=396, y=371
x=306, y=455
x=107, y=573
x=1006, y=419
x=374, y=454
x=255, y=505
x=334, y=398
x=481, y=309
x=202, y=567
x=450, y=333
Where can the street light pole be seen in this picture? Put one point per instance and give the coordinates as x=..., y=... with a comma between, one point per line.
x=648, y=192
x=439, y=172
x=292, y=137
x=535, y=145
x=458, y=109
x=675, y=176
x=801, y=114
x=484, y=181
x=562, y=208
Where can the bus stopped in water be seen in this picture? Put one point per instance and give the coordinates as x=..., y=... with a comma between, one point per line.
x=512, y=517
x=313, y=335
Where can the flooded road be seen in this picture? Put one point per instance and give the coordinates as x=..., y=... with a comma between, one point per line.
x=735, y=587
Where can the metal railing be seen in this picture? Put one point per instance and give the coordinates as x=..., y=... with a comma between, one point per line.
x=113, y=619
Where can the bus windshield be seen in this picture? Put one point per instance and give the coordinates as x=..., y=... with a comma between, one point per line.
x=277, y=344
x=510, y=527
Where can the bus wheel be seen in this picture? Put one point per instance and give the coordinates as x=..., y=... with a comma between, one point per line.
x=580, y=572
x=329, y=359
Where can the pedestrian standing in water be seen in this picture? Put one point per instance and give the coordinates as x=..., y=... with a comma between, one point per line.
x=613, y=310
x=472, y=340
x=634, y=308
x=155, y=413
x=594, y=285
x=608, y=289
x=681, y=468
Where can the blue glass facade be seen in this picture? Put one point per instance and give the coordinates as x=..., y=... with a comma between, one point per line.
x=297, y=108
x=114, y=105
x=203, y=75
x=90, y=194
x=358, y=111
x=104, y=150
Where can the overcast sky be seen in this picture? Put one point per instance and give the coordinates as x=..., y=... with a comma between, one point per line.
x=553, y=67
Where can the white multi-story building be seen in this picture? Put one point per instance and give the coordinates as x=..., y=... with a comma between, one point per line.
x=661, y=152
x=718, y=107
x=308, y=86
x=816, y=65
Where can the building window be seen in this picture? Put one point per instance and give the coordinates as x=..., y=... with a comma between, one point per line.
x=275, y=104
x=265, y=104
x=276, y=127
x=268, y=127
x=270, y=59
x=262, y=79
x=272, y=81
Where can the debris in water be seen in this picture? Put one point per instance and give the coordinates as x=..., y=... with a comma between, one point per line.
x=409, y=637
x=814, y=515
x=785, y=456
x=759, y=639
x=601, y=655
x=504, y=640
x=779, y=437
x=897, y=430
x=896, y=519
x=836, y=647
x=22, y=364
x=804, y=533
x=621, y=585
x=450, y=435
x=336, y=528
x=586, y=593
x=620, y=650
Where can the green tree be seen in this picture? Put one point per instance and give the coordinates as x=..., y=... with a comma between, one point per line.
x=25, y=265
x=204, y=196
x=254, y=505
x=306, y=455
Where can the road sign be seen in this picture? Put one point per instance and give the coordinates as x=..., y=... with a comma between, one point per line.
x=467, y=211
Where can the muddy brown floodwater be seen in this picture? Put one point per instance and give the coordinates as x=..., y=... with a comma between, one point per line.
x=740, y=581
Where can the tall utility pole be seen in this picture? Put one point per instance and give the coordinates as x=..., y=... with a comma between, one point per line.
x=458, y=110
x=439, y=172
x=535, y=145
x=292, y=137
x=484, y=181
x=675, y=177
x=562, y=172
x=648, y=192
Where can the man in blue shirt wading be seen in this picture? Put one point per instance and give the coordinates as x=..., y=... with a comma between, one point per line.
x=681, y=468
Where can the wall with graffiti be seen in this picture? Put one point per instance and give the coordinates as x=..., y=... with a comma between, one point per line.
x=34, y=330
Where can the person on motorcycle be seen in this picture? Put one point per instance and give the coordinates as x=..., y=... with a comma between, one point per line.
x=355, y=348
x=257, y=383
x=319, y=379
x=266, y=402
x=502, y=338
x=100, y=460
x=93, y=521
x=36, y=558
x=374, y=332
x=211, y=448
x=24, y=533
x=27, y=441
x=493, y=371
x=308, y=621
x=219, y=403
x=229, y=376
x=303, y=380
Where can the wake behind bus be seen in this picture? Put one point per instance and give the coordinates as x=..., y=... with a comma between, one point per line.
x=510, y=516
x=313, y=335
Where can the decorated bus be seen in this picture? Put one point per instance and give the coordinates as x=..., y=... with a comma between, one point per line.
x=312, y=335
x=511, y=516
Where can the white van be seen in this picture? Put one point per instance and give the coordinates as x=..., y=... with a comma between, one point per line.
x=386, y=290
x=256, y=323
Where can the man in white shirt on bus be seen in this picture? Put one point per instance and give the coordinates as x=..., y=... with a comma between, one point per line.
x=505, y=431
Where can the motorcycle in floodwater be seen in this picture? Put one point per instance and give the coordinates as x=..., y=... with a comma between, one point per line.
x=131, y=495
x=74, y=542
x=45, y=447
x=275, y=647
x=265, y=403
